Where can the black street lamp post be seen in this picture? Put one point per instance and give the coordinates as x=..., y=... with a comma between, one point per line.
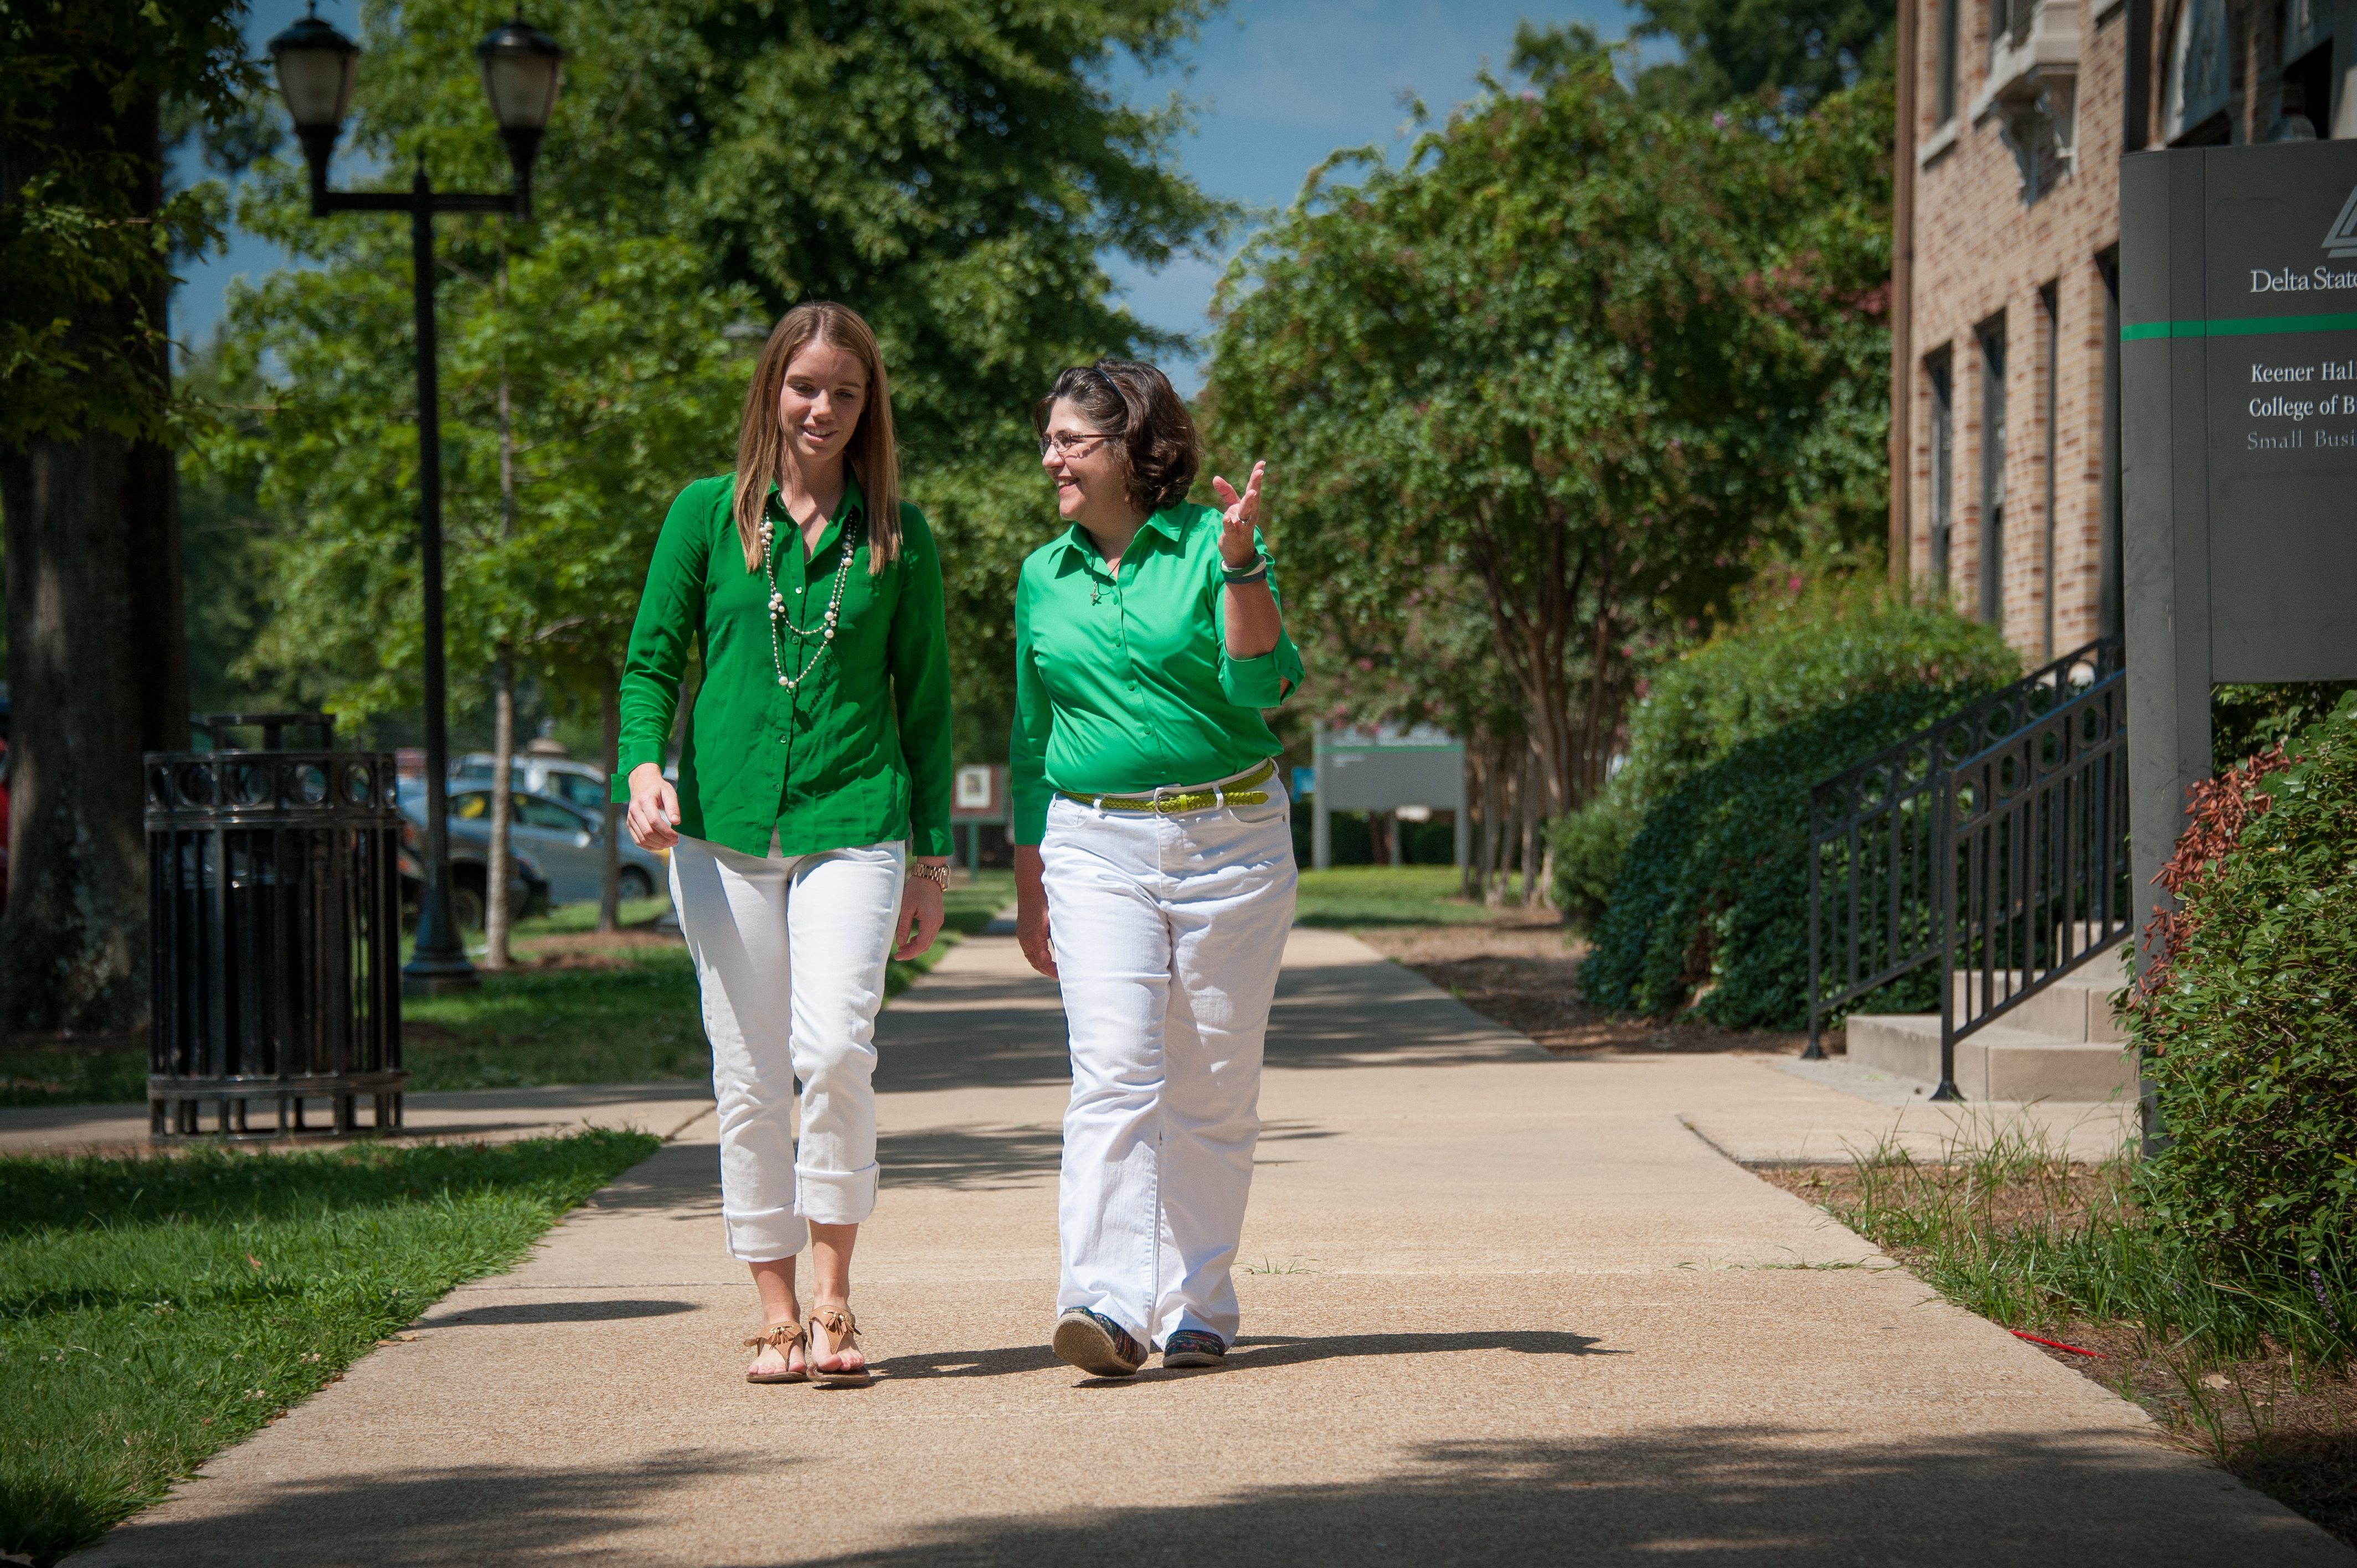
x=521, y=65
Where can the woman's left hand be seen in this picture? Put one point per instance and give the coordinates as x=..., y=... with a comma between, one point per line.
x=1237, y=546
x=920, y=917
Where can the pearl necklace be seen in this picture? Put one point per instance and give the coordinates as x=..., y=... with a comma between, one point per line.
x=825, y=633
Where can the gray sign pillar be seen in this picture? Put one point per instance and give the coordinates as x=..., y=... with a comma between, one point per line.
x=2238, y=296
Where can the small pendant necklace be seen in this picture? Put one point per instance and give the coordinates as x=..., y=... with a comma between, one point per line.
x=824, y=634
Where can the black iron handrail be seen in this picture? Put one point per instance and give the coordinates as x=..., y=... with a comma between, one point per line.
x=2037, y=868
x=1876, y=834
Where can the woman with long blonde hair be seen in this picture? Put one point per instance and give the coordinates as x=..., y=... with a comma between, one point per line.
x=815, y=766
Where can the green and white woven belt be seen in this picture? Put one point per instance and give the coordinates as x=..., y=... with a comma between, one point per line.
x=1236, y=792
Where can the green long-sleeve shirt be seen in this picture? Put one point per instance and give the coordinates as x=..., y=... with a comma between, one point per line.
x=860, y=752
x=1124, y=683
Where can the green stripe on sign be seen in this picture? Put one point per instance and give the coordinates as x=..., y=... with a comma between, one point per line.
x=2240, y=327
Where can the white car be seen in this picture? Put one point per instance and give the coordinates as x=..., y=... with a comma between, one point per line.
x=575, y=783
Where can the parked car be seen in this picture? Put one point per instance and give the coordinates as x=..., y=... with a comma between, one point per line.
x=575, y=783
x=527, y=890
x=566, y=842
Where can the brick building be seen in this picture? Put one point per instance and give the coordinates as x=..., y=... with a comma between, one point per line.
x=2024, y=109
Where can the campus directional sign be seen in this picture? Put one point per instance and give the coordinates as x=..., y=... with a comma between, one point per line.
x=2238, y=299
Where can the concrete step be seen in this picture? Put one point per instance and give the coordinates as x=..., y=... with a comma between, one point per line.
x=1996, y=1063
x=2076, y=1007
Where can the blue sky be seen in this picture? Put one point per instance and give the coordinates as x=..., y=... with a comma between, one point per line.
x=1277, y=85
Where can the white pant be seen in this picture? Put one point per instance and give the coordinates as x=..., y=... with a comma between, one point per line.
x=770, y=1022
x=1168, y=932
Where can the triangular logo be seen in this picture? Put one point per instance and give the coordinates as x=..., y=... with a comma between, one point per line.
x=2341, y=242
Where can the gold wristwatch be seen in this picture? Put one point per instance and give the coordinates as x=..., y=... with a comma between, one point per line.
x=939, y=876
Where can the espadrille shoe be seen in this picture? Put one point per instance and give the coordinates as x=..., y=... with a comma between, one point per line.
x=1096, y=1343
x=1194, y=1347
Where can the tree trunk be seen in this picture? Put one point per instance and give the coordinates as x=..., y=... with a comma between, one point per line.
x=497, y=867
x=610, y=886
x=1476, y=765
x=1485, y=843
x=1533, y=814
x=98, y=670
x=1502, y=797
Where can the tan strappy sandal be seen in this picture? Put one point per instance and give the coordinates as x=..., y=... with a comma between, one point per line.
x=782, y=1338
x=835, y=1320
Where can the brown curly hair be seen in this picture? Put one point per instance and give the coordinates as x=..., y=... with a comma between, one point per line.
x=1136, y=406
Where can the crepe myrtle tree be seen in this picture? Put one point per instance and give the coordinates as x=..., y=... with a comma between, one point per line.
x=1586, y=355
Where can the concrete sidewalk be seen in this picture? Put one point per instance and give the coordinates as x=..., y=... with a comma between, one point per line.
x=1503, y=1306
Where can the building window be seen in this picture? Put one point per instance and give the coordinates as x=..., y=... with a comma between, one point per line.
x=2006, y=17
x=1992, y=342
x=1944, y=98
x=2050, y=297
x=1941, y=373
x=2194, y=104
x=2305, y=111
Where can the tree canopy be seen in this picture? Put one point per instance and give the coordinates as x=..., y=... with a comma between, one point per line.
x=1586, y=355
x=86, y=236
x=952, y=171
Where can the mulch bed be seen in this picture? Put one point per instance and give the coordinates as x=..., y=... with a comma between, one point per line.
x=1525, y=976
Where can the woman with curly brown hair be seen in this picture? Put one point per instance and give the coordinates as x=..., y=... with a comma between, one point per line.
x=1154, y=860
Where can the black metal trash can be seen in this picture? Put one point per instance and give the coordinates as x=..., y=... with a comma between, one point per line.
x=274, y=906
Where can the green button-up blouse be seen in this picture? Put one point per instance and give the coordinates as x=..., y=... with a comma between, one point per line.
x=1123, y=681
x=858, y=753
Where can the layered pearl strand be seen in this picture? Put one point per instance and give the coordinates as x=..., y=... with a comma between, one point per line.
x=824, y=635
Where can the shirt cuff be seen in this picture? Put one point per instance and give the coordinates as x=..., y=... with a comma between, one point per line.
x=1252, y=682
x=618, y=789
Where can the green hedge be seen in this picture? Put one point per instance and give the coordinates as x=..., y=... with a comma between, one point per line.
x=1711, y=904
x=2250, y=1032
x=1789, y=660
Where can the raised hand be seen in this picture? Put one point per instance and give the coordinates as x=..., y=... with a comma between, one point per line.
x=1236, y=523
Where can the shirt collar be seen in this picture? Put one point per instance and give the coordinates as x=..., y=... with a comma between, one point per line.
x=852, y=501
x=1169, y=522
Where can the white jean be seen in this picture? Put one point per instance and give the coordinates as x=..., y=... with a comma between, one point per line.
x=771, y=1021
x=1168, y=932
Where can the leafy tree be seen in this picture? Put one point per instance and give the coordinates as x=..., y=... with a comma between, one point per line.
x=98, y=669
x=1586, y=356
x=1791, y=54
x=951, y=170
x=580, y=378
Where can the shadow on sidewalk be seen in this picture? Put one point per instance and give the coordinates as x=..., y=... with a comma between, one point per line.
x=1757, y=1495
x=967, y=1159
x=1253, y=1352
x=995, y=1033
x=507, y=1313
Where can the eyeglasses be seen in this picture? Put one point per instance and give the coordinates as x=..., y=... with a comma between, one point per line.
x=1069, y=447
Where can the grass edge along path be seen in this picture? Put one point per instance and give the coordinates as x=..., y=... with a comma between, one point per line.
x=1350, y=897
x=155, y=1310
x=579, y=1009
x=2259, y=1376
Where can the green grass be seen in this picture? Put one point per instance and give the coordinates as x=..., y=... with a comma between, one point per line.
x=153, y=1310
x=628, y=1015
x=1353, y=896
x=2005, y=1225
